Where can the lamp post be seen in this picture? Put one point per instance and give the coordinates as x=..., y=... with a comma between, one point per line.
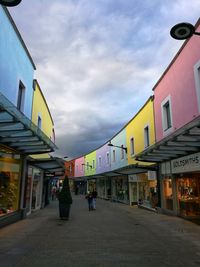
x=125, y=148
x=10, y=2
x=182, y=31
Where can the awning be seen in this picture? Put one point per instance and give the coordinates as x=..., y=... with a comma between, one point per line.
x=20, y=133
x=126, y=170
x=51, y=165
x=183, y=142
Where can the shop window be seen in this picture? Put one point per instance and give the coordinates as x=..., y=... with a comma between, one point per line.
x=146, y=136
x=168, y=193
x=188, y=190
x=9, y=182
x=21, y=97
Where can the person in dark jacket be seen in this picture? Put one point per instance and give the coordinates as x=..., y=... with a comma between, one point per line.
x=94, y=199
x=89, y=198
x=65, y=200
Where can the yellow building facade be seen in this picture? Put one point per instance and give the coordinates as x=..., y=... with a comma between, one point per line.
x=41, y=115
x=140, y=132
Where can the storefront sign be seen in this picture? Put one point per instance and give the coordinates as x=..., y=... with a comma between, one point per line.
x=186, y=164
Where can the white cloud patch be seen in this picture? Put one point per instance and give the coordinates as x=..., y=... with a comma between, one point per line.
x=97, y=61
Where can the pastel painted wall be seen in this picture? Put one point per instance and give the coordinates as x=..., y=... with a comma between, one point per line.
x=103, y=153
x=40, y=108
x=69, y=166
x=15, y=64
x=91, y=160
x=135, y=130
x=118, y=140
x=179, y=83
x=79, y=168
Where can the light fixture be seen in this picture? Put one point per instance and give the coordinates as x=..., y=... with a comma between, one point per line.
x=83, y=164
x=183, y=31
x=10, y=2
x=125, y=148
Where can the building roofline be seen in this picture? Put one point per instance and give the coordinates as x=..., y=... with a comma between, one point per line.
x=175, y=57
x=19, y=35
x=148, y=100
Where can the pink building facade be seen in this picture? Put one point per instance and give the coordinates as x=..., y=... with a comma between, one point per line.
x=180, y=87
x=177, y=125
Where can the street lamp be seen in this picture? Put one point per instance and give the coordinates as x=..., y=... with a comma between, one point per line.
x=125, y=148
x=183, y=31
x=10, y=2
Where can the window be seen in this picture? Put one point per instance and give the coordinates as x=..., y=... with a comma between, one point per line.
x=122, y=152
x=77, y=168
x=197, y=81
x=21, y=96
x=107, y=158
x=132, y=146
x=70, y=168
x=39, y=123
x=93, y=163
x=146, y=136
x=114, y=157
x=99, y=161
x=166, y=115
x=82, y=167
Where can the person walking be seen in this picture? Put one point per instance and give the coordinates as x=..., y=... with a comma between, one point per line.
x=94, y=199
x=65, y=200
x=89, y=198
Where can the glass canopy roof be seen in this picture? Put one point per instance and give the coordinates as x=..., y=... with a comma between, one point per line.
x=20, y=133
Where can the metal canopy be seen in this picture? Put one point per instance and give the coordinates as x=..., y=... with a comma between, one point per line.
x=20, y=133
x=183, y=142
x=127, y=170
x=49, y=165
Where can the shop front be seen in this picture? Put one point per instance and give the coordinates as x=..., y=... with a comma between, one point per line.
x=119, y=189
x=181, y=186
x=10, y=181
x=143, y=189
x=104, y=187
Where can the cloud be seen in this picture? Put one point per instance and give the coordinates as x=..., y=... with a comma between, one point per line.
x=97, y=61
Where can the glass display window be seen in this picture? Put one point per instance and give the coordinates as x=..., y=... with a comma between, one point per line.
x=168, y=193
x=188, y=193
x=10, y=168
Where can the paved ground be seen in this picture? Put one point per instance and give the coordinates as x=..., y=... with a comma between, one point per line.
x=115, y=235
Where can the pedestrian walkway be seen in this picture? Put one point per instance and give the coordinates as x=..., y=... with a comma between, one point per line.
x=114, y=235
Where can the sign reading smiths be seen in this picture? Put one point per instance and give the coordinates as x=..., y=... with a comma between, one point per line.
x=186, y=164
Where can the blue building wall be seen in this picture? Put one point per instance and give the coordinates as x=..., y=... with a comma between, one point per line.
x=15, y=63
x=118, y=140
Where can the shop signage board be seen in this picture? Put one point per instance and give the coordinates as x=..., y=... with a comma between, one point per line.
x=186, y=164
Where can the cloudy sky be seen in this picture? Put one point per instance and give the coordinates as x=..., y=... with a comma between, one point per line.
x=97, y=60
